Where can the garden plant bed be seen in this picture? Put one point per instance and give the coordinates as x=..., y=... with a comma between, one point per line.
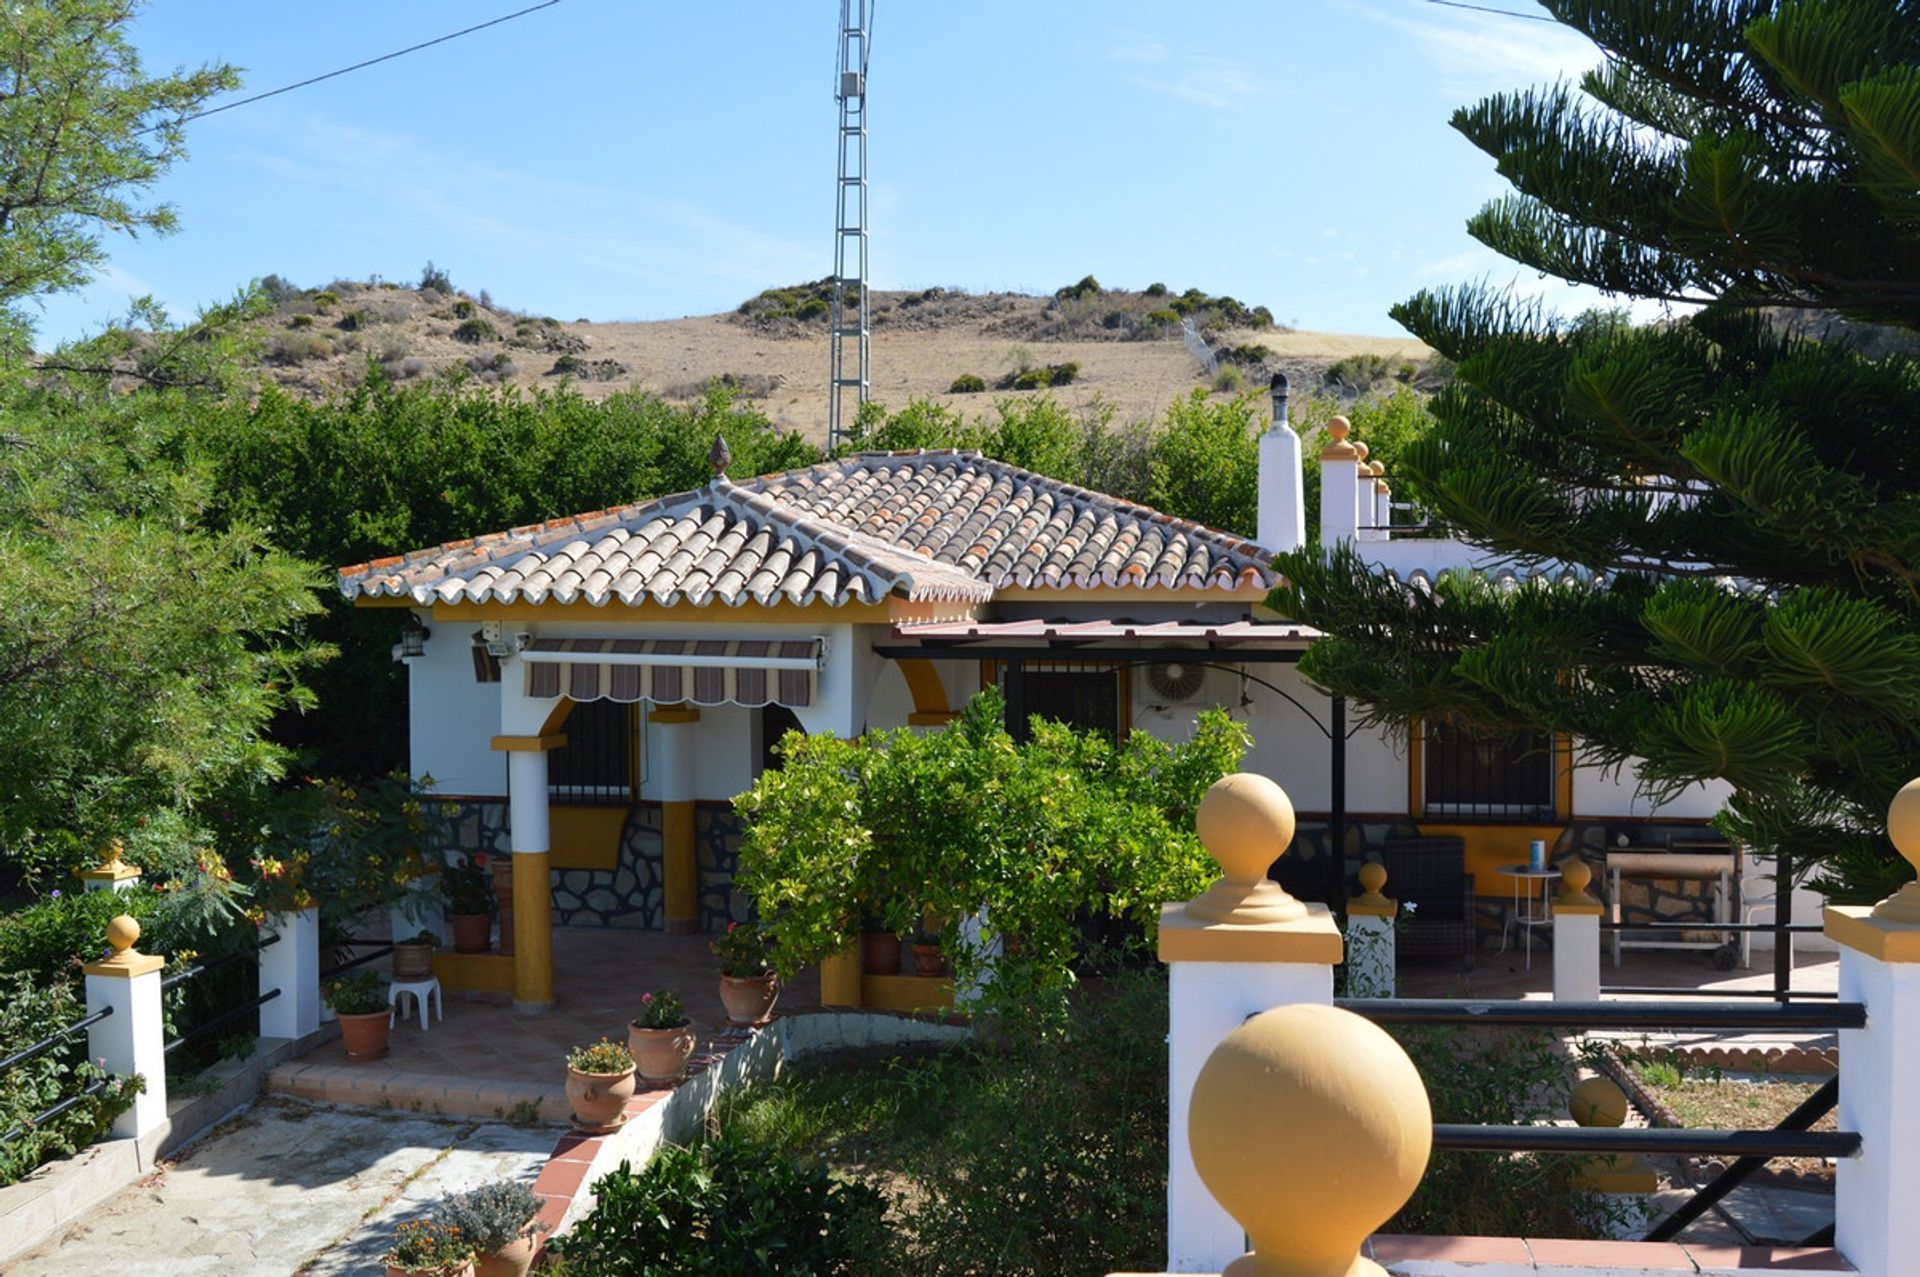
x=1675, y=1090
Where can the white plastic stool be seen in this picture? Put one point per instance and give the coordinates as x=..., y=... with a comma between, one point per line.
x=421, y=991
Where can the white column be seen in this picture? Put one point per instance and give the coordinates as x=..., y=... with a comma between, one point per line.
x=527, y=800
x=1339, y=487
x=132, y=1040
x=1241, y=947
x=1876, y=1223
x=1281, y=518
x=1576, y=936
x=292, y=965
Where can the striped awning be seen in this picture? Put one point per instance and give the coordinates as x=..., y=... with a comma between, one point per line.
x=671, y=671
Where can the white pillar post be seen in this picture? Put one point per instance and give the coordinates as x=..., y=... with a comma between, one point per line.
x=113, y=873
x=1339, y=486
x=527, y=800
x=292, y=965
x=1373, y=966
x=131, y=1040
x=1876, y=1226
x=1576, y=936
x=676, y=782
x=1281, y=516
x=1241, y=947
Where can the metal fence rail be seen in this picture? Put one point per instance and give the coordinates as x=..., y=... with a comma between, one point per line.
x=54, y=1039
x=86, y=1092
x=1662, y=1140
x=1780, y=1017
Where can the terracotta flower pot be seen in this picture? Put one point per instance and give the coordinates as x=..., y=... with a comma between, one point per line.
x=749, y=999
x=365, y=1035
x=464, y=1270
x=661, y=1055
x=928, y=960
x=598, y=1099
x=412, y=961
x=511, y=1260
x=879, y=953
x=472, y=932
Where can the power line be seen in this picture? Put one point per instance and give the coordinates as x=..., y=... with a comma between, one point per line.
x=1485, y=8
x=358, y=66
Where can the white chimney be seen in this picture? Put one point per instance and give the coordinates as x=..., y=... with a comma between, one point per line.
x=1283, y=505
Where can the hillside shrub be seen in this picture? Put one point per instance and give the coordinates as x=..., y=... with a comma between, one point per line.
x=474, y=331
x=300, y=321
x=797, y=302
x=1360, y=372
x=462, y=309
x=435, y=280
x=1228, y=379
x=1041, y=378
x=723, y=1208
x=967, y=383
x=1156, y=290
x=29, y=1011
x=297, y=347
x=325, y=298
x=353, y=321
x=1087, y=286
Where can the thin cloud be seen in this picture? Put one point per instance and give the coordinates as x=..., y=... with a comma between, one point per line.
x=1201, y=79
x=1480, y=53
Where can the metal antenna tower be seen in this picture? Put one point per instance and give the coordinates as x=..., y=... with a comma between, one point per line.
x=849, y=317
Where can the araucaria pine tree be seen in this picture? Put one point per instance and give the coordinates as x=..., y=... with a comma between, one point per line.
x=1727, y=503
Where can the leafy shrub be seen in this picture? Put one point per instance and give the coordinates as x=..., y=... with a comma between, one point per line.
x=1358, y=372
x=474, y=331
x=435, y=280
x=967, y=383
x=29, y=1011
x=1228, y=379
x=742, y=950
x=1163, y=317
x=812, y=308
x=1156, y=290
x=291, y=348
x=467, y=888
x=1040, y=378
x=1247, y=354
x=492, y=367
x=325, y=298
x=1087, y=286
x=1115, y=319
x=587, y=369
x=300, y=321
x=492, y=1215
x=797, y=302
x=393, y=346
x=280, y=290
x=463, y=309
x=723, y=1209
x=353, y=321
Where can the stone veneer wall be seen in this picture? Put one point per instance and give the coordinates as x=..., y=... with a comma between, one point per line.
x=631, y=895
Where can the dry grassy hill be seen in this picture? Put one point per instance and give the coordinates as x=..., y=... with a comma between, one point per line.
x=1128, y=355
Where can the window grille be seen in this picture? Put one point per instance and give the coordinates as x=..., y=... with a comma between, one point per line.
x=596, y=767
x=1078, y=693
x=1488, y=777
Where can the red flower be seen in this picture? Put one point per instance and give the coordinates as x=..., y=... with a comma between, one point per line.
x=732, y=927
x=480, y=858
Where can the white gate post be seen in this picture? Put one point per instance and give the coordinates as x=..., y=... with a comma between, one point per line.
x=1373, y=967
x=1875, y=1224
x=292, y=965
x=133, y=1038
x=1241, y=947
x=1576, y=936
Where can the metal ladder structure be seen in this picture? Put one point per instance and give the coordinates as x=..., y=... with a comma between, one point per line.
x=850, y=368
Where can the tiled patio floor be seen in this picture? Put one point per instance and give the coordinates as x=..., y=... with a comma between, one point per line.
x=485, y=1059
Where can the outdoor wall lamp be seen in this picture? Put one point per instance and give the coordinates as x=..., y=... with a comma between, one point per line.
x=413, y=638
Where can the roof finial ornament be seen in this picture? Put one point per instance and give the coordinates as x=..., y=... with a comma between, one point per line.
x=719, y=456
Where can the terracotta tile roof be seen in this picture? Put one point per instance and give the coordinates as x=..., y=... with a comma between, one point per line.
x=937, y=525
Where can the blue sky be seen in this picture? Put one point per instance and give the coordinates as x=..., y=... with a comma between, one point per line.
x=609, y=159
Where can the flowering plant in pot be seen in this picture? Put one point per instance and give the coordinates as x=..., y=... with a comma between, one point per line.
x=362, y=1010
x=498, y=1220
x=413, y=957
x=661, y=1038
x=929, y=959
x=748, y=984
x=469, y=906
x=423, y=1247
x=599, y=1084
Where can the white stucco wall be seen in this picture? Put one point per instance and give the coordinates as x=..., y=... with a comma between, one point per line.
x=1291, y=750
x=452, y=720
x=1601, y=794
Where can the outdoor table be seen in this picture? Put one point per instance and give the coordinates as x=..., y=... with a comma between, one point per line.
x=1522, y=914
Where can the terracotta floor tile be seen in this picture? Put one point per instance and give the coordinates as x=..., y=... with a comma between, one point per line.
x=1553, y=1253
x=1389, y=1247
x=561, y=1177
x=1822, y=1259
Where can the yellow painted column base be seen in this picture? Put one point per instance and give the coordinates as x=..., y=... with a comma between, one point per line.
x=680, y=866
x=532, y=932
x=840, y=978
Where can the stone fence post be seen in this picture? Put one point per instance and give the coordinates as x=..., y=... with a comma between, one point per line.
x=1242, y=947
x=292, y=965
x=1876, y=1224
x=132, y=1040
x=1576, y=936
x=1372, y=964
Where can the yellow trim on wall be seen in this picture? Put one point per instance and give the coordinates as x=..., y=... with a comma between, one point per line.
x=626, y=613
x=484, y=972
x=929, y=693
x=840, y=978
x=529, y=744
x=1855, y=927
x=1416, y=769
x=906, y=993
x=582, y=837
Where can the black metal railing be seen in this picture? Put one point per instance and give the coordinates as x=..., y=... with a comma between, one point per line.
x=1809, y=1111
x=40, y=1048
x=1784, y=1017
x=232, y=1013
x=381, y=951
x=215, y=964
x=220, y=1021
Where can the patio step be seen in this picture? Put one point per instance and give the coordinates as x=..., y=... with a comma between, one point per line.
x=421, y=1092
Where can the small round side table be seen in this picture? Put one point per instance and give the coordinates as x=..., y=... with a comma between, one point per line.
x=1523, y=915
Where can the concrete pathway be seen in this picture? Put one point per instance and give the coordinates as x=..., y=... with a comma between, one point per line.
x=289, y=1187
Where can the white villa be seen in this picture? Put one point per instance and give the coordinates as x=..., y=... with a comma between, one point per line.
x=594, y=690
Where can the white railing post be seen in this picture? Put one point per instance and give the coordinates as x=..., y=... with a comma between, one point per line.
x=1339, y=486
x=1876, y=1225
x=1576, y=936
x=132, y=1040
x=292, y=965
x=113, y=873
x=1372, y=965
x=1241, y=947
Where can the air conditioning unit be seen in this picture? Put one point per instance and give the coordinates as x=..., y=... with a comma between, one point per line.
x=1175, y=683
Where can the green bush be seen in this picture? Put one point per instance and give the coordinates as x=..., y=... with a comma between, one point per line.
x=1228, y=379
x=297, y=348
x=1156, y=290
x=967, y=383
x=353, y=321
x=475, y=331
x=30, y=1011
x=324, y=299
x=1041, y=378
x=1163, y=316
x=1358, y=372
x=433, y=279
x=300, y=321
x=463, y=309
x=1088, y=286
x=723, y=1209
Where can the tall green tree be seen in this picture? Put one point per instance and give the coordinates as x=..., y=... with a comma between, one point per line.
x=84, y=132
x=1739, y=498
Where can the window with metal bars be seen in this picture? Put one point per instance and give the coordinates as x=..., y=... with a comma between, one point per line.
x=1077, y=694
x=596, y=767
x=1487, y=777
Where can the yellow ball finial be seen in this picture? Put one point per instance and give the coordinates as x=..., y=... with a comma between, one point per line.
x=1360, y=446
x=122, y=932
x=1903, y=827
x=1338, y=449
x=1309, y=1077
x=1339, y=428
x=1245, y=822
x=1597, y=1101
x=1576, y=874
x=1372, y=878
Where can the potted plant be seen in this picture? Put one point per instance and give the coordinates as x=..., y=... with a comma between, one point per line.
x=364, y=1016
x=880, y=940
x=661, y=1039
x=748, y=985
x=599, y=1084
x=469, y=906
x=497, y=1219
x=423, y=1247
x=413, y=957
x=928, y=957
